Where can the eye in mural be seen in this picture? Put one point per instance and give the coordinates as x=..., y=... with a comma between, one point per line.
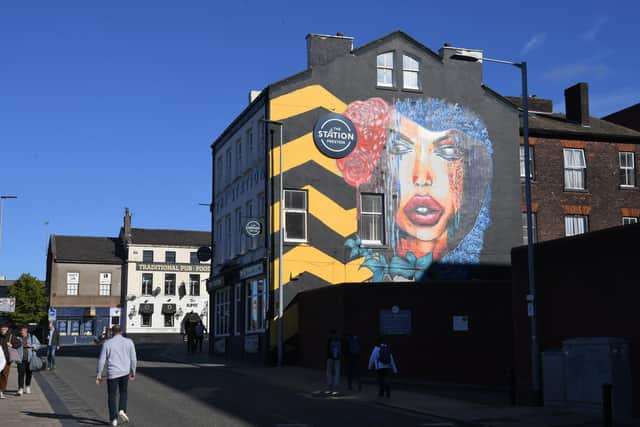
x=431, y=162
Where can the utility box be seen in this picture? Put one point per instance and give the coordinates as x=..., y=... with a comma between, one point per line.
x=553, y=390
x=591, y=362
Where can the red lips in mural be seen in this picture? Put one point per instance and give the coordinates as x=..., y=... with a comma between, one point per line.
x=423, y=210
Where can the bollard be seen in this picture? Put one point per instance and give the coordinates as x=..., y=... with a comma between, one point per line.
x=607, y=415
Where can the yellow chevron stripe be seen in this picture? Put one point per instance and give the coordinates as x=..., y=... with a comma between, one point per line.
x=305, y=258
x=300, y=151
x=342, y=221
x=303, y=100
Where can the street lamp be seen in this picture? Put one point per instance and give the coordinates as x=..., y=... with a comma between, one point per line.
x=280, y=244
x=475, y=56
x=1, y=202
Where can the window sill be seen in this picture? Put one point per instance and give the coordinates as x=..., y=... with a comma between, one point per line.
x=295, y=242
x=411, y=90
x=627, y=187
x=392, y=88
x=571, y=190
x=373, y=245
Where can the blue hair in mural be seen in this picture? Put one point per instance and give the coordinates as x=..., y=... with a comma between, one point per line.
x=428, y=164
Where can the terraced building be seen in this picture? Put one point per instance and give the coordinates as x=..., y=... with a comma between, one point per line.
x=397, y=165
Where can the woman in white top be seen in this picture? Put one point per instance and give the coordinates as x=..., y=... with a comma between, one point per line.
x=383, y=362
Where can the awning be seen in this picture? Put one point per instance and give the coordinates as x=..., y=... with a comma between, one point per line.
x=168, y=309
x=146, y=309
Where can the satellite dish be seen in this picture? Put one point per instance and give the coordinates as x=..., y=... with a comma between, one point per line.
x=156, y=291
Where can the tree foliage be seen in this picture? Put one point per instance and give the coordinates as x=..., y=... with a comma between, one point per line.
x=31, y=300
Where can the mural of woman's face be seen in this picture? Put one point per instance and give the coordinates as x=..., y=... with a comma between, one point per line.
x=430, y=175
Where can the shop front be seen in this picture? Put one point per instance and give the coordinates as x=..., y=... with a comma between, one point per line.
x=82, y=325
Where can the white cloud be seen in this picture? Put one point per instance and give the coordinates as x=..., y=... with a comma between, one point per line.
x=573, y=71
x=592, y=32
x=535, y=41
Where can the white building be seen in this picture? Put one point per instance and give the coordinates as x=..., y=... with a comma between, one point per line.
x=164, y=282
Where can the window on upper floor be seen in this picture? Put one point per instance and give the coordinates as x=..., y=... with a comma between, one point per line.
x=147, y=256
x=193, y=258
x=575, y=224
x=73, y=283
x=219, y=173
x=229, y=171
x=194, y=285
x=410, y=73
x=627, y=169
x=626, y=220
x=534, y=228
x=227, y=235
x=384, y=65
x=522, y=164
x=295, y=215
x=170, y=257
x=372, y=219
x=147, y=283
x=575, y=168
x=239, y=163
x=250, y=149
x=169, y=284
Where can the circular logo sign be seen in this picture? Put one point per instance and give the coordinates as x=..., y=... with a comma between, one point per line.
x=335, y=135
x=204, y=253
x=253, y=228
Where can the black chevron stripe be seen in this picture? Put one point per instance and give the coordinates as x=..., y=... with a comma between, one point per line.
x=324, y=239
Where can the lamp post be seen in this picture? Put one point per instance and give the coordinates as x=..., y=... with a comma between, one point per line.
x=280, y=244
x=473, y=56
x=2, y=198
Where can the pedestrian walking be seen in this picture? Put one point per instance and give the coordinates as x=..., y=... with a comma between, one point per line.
x=29, y=345
x=9, y=344
x=352, y=354
x=382, y=361
x=118, y=356
x=53, y=344
x=199, y=331
x=334, y=355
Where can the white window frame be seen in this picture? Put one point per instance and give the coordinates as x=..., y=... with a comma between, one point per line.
x=383, y=66
x=628, y=220
x=572, y=221
x=534, y=227
x=303, y=211
x=531, y=162
x=175, y=280
x=150, y=317
x=380, y=214
x=406, y=70
x=626, y=171
x=250, y=297
x=73, y=283
x=105, y=290
x=568, y=168
x=143, y=283
x=191, y=287
x=237, y=300
x=222, y=305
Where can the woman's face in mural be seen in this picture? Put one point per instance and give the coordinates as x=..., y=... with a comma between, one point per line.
x=430, y=181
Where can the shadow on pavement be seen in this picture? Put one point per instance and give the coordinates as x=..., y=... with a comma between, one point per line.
x=79, y=420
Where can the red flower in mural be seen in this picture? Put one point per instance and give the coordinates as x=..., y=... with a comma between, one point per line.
x=356, y=167
x=370, y=118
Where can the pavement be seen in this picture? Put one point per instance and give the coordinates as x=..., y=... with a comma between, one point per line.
x=461, y=405
x=33, y=410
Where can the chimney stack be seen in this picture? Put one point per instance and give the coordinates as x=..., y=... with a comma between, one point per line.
x=323, y=49
x=576, y=100
x=127, y=226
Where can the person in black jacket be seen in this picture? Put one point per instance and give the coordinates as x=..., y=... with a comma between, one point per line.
x=7, y=339
x=334, y=354
x=53, y=344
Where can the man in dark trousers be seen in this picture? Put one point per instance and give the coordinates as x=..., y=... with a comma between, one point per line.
x=53, y=344
x=118, y=355
x=352, y=353
x=382, y=361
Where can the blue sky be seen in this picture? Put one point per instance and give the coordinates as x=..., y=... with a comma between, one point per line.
x=111, y=104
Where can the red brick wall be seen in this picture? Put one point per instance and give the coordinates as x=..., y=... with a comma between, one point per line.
x=603, y=200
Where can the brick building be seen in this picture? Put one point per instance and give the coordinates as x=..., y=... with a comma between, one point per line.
x=584, y=175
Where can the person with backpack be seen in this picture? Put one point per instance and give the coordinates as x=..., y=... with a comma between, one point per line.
x=353, y=361
x=334, y=354
x=382, y=361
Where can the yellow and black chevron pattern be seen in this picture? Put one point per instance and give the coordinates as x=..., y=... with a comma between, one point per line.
x=331, y=201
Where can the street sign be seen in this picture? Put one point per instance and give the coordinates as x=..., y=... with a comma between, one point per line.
x=52, y=314
x=7, y=305
x=204, y=253
x=253, y=228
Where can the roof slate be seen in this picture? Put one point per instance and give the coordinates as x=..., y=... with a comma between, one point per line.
x=146, y=236
x=556, y=124
x=86, y=249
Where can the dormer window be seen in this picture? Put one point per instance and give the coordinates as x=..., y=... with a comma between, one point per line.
x=410, y=70
x=385, y=69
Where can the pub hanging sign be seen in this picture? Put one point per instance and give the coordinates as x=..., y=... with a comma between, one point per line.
x=335, y=135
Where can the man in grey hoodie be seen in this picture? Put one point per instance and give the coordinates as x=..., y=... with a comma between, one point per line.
x=118, y=355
